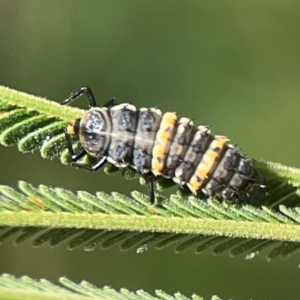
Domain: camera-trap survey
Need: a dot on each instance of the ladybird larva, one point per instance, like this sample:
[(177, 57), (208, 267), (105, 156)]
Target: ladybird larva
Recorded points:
[(160, 144)]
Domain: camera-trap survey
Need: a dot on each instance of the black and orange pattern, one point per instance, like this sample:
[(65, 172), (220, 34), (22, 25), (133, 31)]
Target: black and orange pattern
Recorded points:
[(160, 144)]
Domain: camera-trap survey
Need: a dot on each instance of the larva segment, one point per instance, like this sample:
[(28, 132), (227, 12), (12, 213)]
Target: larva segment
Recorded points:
[(148, 124), (182, 139), (206, 164), (200, 142), (246, 180), (162, 142), (221, 177), (124, 119)]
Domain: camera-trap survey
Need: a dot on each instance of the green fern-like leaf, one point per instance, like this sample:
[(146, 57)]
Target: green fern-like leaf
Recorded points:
[(128, 217), (36, 123), (28, 288)]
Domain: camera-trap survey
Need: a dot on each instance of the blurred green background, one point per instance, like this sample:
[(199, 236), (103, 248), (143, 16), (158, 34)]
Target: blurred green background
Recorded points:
[(234, 65)]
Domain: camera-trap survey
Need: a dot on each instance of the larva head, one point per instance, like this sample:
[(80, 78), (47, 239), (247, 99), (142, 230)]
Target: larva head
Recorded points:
[(93, 130)]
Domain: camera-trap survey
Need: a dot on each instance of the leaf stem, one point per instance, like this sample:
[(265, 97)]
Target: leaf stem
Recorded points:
[(42, 105), (259, 230)]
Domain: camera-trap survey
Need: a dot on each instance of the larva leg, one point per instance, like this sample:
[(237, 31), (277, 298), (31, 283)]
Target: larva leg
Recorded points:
[(90, 97), (74, 157), (98, 165), (151, 189), (83, 90)]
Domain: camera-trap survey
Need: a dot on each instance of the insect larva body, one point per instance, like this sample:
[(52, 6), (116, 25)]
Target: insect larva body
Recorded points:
[(160, 144)]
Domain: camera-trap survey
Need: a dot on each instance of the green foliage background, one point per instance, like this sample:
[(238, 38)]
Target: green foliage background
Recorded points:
[(233, 65)]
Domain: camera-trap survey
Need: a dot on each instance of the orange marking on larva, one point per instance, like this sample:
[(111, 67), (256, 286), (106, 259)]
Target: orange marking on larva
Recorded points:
[(193, 185), (202, 172), (159, 151), (210, 157), (204, 167), (206, 163), (158, 159), (156, 169), (157, 165), (168, 119), (70, 129), (162, 141), (221, 138), (163, 137)]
